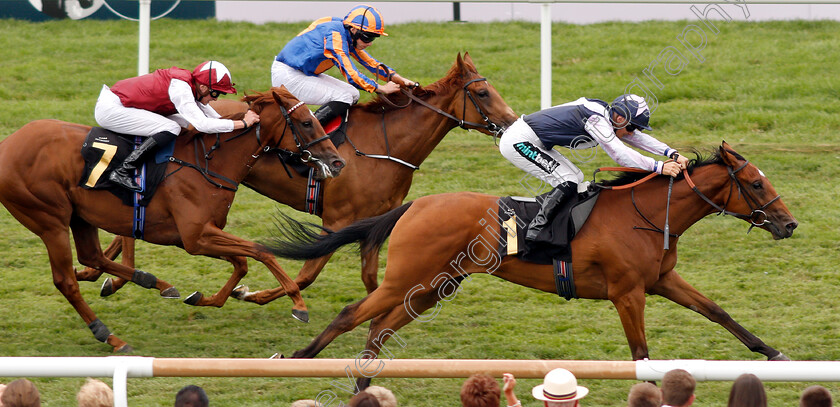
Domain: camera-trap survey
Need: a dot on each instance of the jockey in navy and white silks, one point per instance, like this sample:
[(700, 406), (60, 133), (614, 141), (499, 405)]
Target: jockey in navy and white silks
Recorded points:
[(583, 123), (328, 42), (159, 104)]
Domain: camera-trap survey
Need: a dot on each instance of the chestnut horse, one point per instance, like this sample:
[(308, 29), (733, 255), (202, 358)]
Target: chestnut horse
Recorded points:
[(438, 240), (408, 134), (40, 169)]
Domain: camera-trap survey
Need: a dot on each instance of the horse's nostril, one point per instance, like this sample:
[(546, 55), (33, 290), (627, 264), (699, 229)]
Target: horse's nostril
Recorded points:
[(791, 226), (338, 164)]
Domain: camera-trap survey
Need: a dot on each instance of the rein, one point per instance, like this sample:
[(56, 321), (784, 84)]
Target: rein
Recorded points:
[(462, 123)]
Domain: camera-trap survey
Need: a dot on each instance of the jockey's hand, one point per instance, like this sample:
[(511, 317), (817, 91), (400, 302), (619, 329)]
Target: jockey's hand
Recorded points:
[(389, 87), (682, 161), (671, 168), (405, 82), (251, 117)]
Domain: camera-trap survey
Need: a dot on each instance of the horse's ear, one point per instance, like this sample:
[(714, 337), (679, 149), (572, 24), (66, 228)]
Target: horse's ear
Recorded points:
[(459, 61), (726, 153), (279, 93), (467, 58)]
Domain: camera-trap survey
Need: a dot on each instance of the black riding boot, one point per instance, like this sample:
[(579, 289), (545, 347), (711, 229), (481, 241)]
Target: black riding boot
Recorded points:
[(550, 205), (329, 111), (124, 174)]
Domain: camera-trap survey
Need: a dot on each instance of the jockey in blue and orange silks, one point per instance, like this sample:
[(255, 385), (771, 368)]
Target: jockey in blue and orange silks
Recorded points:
[(328, 42)]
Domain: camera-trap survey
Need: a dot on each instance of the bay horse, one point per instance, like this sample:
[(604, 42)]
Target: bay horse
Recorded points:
[(40, 169), (439, 240), (406, 134)]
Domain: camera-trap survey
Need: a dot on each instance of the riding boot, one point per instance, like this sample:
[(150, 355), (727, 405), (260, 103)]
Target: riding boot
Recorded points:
[(124, 174), (550, 205), (328, 112)]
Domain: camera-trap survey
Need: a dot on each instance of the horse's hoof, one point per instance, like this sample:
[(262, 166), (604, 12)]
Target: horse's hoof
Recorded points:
[(302, 316), (194, 298), (277, 356), (780, 357), (240, 292), (170, 292), (107, 288), (125, 349)]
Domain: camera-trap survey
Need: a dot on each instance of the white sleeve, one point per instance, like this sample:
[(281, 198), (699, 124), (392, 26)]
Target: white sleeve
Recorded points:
[(182, 97), (602, 131), (649, 143)]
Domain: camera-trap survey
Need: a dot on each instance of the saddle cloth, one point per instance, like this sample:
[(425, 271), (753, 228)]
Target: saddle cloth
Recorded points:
[(517, 212), (103, 150)]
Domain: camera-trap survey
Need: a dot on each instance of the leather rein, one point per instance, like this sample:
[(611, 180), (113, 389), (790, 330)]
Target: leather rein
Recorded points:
[(757, 216)]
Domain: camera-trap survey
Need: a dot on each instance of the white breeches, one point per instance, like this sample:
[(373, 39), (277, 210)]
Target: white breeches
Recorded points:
[(521, 146), (313, 90), (112, 115)]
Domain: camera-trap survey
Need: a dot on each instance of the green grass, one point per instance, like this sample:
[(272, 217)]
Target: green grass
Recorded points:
[(770, 89)]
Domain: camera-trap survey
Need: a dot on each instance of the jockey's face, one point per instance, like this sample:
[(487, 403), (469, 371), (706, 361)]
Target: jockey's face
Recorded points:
[(205, 95), (621, 126), (359, 43)]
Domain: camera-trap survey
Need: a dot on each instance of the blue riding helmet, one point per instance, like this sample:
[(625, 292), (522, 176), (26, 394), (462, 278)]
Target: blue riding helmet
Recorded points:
[(633, 107)]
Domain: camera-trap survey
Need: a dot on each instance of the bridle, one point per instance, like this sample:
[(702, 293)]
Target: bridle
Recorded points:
[(303, 152), (493, 128), (757, 216)]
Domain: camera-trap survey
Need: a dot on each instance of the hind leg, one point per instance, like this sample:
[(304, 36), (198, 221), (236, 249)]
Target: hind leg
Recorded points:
[(90, 254), (240, 269), (382, 300), (672, 286), (311, 269), (112, 251)]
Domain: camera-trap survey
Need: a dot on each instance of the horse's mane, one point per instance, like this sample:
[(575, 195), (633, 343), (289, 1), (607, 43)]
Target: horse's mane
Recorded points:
[(262, 98), (455, 78), (624, 178)]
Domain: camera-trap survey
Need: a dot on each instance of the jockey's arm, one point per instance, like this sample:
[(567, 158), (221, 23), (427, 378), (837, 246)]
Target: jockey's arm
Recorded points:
[(602, 131), (181, 95)]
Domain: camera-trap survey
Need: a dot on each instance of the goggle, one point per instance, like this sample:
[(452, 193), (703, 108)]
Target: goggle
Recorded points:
[(216, 93), (630, 128), (367, 37)]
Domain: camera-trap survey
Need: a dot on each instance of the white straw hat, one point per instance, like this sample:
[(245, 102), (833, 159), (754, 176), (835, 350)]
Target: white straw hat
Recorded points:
[(559, 385)]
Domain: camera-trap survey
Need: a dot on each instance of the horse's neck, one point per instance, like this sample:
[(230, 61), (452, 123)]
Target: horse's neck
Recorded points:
[(230, 158), (686, 207), (412, 132)]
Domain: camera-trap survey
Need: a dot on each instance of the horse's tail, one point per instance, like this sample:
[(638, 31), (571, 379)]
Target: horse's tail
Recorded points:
[(304, 241)]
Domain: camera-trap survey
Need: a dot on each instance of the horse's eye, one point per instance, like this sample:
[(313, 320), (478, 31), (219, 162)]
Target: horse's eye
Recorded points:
[(483, 93), (306, 124), (757, 185)]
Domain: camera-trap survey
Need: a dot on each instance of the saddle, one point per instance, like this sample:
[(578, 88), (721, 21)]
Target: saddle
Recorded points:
[(516, 213), (103, 150)]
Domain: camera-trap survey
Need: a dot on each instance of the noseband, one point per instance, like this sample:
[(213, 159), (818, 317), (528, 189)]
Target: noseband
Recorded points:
[(757, 216), (493, 128)]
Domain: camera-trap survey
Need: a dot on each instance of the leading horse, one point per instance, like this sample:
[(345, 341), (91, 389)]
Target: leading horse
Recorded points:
[(439, 240), (399, 138), (40, 169)]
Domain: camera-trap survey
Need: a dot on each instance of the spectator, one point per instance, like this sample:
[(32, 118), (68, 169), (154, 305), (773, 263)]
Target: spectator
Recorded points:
[(509, 386), (363, 399), (644, 395), (560, 389), (305, 403), (191, 396), (20, 393), (480, 390), (2, 387), (747, 391), (678, 388), (386, 397), (95, 393), (815, 396)]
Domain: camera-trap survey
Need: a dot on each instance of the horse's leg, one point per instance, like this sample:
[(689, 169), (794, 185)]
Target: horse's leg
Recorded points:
[(214, 242), (57, 242), (112, 251), (370, 269), (311, 269), (240, 269), (126, 246), (631, 310), (672, 286), (386, 325), (92, 256), (382, 300)]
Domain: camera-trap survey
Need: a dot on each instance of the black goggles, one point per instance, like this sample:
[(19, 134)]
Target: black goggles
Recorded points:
[(630, 128), (216, 93), (367, 37)]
